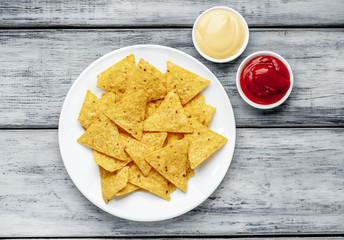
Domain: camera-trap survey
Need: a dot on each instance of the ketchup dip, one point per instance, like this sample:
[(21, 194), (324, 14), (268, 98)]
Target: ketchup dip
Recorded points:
[(265, 80)]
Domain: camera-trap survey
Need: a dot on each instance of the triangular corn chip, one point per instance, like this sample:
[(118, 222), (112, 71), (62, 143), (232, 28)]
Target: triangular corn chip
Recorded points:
[(150, 109), (111, 182), (115, 78), (168, 117), (171, 187), (154, 139), (158, 102), (202, 143), (171, 137), (163, 80), (171, 162), (152, 106), (129, 113), (198, 99), (93, 107), (208, 112), (147, 79), (187, 84), (109, 163), (90, 110), (125, 138), (195, 108), (154, 182), (103, 136), (127, 189), (189, 173), (138, 149), (107, 101)]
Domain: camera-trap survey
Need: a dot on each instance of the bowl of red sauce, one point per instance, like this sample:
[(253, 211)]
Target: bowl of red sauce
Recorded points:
[(264, 80)]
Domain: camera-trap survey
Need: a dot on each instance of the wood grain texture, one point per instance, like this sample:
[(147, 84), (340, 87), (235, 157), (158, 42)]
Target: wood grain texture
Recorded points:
[(43, 13), (281, 181), (39, 66), (206, 238)]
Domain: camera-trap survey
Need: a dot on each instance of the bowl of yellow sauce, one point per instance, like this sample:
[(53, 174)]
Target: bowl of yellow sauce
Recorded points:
[(220, 34)]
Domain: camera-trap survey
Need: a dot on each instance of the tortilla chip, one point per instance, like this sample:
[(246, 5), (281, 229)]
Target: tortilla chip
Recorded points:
[(202, 143), (158, 102), (129, 113), (124, 137), (154, 182), (171, 187), (171, 162), (127, 189), (109, 163), (103, 136), (138, 149), (152, 106), (150, 109), (208, 114), (195, 108), (93, 107), (198, 99), (163, 79), (111, 183), (189, 173), (147, 79), (107, 101), (168, 117), (187, 84), (90, 110), (115, 78), (171, 137), (154, 139)]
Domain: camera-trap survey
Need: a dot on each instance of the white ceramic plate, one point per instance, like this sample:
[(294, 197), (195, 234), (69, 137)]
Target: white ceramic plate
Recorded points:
[(144, 206)]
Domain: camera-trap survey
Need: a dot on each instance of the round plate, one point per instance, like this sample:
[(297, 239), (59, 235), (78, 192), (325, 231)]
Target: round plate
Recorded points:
[(144, 206)]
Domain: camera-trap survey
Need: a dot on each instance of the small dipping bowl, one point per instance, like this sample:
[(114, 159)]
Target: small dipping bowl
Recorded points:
[(228, 59), (238, 76)]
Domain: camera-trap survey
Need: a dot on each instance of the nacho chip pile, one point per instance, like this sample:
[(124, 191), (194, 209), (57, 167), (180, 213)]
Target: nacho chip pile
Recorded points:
[(149, 130)]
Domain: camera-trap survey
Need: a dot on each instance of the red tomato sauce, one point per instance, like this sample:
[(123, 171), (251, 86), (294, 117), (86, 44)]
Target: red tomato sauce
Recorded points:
[(265, 80)]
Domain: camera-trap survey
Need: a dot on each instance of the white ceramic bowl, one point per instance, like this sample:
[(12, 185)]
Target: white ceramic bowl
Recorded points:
[(242, 94), (243, 47)]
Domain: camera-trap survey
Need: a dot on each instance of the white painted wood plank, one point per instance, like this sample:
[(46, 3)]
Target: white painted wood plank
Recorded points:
[(281, 181), (108, 13), (212, 238), (38, 67)]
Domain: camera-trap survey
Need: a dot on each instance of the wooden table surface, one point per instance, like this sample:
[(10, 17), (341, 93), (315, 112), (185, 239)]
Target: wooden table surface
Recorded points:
[(286, 180)]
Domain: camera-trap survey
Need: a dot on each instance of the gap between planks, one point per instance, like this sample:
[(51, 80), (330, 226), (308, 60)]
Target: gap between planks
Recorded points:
[(171, 28), (318, 127), (250, 237), (162, 27)]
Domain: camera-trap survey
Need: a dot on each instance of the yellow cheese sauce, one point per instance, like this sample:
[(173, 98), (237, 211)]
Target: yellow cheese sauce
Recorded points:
[(220, 34)]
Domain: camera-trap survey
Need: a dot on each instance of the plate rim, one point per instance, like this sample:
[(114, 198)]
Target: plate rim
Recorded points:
[(83, 73)]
